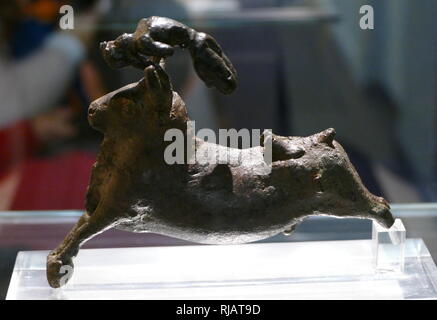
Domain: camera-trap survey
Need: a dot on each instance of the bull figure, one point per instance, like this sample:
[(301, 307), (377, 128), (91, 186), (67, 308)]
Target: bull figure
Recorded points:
[(133, 188)]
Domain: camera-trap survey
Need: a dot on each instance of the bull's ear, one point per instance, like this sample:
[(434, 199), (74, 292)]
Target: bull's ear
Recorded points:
[(157, 87)]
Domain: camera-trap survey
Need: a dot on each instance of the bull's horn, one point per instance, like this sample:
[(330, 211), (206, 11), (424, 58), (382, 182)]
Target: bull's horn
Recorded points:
[(327, 137)]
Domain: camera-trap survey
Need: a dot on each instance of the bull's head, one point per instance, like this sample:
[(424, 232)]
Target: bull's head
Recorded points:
[(145, 108)]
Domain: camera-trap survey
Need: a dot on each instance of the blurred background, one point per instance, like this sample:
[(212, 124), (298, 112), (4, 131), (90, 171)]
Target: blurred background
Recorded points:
[(303, 66)]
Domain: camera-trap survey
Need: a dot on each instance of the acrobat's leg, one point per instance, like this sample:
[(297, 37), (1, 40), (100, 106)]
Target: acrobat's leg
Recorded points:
[(59, 261)]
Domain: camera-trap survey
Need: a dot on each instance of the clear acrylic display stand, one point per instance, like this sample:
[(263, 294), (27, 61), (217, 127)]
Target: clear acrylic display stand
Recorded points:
[(388, 266), (389, 247)]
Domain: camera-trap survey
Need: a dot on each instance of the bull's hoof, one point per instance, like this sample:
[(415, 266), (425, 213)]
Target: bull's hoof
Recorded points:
[(384, 217), (58, 271)]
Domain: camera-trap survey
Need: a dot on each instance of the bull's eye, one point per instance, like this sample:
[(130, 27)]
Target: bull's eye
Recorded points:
[(126, 112), (126, 107)]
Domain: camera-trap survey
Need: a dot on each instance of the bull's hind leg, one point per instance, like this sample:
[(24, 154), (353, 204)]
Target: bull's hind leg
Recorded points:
[(59, 261)]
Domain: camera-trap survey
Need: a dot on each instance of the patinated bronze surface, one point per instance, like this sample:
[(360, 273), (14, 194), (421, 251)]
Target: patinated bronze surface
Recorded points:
[(132, 187)]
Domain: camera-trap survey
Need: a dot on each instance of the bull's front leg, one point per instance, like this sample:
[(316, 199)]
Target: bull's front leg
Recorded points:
[(59, 261)]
